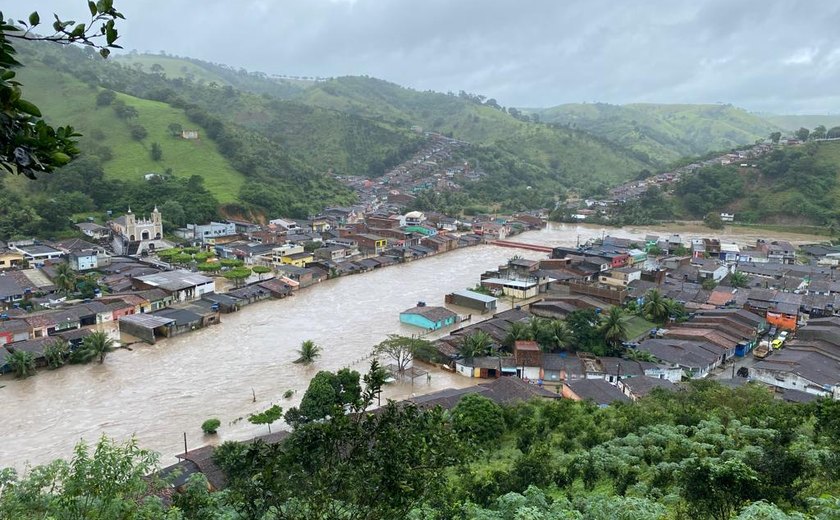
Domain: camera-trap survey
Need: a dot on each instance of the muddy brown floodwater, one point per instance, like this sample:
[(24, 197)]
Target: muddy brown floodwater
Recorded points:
[(159, 392)]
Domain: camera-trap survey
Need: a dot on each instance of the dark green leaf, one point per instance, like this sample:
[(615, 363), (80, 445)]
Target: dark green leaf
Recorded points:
[(92, 7), (34, 19), (104, 53), (29, 108)]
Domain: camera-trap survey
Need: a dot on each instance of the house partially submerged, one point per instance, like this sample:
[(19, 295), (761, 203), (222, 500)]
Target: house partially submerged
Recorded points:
[(473, 300), (429, 318)]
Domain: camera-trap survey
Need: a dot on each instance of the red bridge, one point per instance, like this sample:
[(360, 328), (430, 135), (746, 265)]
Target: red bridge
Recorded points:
[(520, 245)]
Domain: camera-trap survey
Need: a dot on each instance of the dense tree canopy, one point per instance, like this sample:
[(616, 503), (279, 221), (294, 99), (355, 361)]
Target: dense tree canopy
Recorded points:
[(705, 451)]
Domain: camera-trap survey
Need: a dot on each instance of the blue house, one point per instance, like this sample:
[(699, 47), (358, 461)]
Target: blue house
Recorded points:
[(429, 318)]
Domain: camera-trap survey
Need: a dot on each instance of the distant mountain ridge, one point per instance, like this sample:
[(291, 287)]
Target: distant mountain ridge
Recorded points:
[(274, 141), (663, 132)]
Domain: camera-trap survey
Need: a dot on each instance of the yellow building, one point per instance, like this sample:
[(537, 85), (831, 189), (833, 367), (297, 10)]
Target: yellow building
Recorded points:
[(297, 259), (10, 259)]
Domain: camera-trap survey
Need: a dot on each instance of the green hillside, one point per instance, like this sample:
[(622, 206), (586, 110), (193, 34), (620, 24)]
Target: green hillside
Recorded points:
[(793, 185), (795, 122), (579, 156), (67, 100), (664, 133)]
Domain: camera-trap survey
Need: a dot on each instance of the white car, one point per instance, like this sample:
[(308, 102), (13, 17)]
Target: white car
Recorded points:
[(783, 335)]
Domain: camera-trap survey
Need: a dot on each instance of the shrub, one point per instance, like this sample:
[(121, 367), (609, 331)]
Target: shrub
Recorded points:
[(210, 426)]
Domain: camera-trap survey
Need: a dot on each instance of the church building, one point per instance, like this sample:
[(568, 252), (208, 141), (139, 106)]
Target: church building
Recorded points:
[(134, 236)]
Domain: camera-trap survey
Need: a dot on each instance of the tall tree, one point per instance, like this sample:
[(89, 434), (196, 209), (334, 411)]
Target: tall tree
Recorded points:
[(519, 331), (65, 278), (476, 344), (802, 134), (655, 306), (614, 329)]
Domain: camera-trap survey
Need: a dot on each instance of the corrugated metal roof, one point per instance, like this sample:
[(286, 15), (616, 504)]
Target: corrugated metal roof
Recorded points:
[(475, 296)]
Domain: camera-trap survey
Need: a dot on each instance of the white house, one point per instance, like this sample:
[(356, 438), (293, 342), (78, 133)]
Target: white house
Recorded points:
[(83, 260), (207, 233), (182, 285)]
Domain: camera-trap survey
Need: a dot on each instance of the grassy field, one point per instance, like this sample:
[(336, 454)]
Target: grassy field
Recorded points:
[(68, 100), (172, 67), (638, 326)]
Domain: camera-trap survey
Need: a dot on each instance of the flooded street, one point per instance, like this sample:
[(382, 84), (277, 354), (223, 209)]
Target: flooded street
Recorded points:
[(159, 392)]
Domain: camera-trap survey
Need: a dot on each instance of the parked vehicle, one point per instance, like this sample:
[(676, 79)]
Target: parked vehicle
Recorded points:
[(777, 344), (762, 350)]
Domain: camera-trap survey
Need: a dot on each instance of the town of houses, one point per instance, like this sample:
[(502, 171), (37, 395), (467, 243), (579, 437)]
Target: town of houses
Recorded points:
[(790, 292), (144, 295), (138, 295)]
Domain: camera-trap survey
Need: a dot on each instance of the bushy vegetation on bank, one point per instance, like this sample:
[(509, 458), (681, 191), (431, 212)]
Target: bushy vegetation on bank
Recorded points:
[(702, 452)]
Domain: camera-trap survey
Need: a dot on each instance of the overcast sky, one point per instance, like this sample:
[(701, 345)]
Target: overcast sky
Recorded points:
[(774, 56)]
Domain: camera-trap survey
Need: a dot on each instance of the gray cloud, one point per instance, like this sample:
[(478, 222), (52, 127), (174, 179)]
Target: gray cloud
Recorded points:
[(765, 56)]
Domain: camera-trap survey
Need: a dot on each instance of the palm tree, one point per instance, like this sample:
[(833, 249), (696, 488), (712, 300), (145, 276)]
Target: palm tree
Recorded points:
[(65, 278), (614, 327), (655, 307), (518, 331), (22, 363), (56, 353), (307, 352), (559, 335), (98, 345), (476, 344), (738, 279)]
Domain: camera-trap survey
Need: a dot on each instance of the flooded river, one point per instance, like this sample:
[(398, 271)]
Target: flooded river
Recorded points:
[(159, 392)]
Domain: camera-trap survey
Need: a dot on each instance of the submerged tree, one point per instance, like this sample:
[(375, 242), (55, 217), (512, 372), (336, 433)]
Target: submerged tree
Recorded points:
[(401, 350), (308, 352), (56, 353), (22, 363), (266, 417), (95, 346)]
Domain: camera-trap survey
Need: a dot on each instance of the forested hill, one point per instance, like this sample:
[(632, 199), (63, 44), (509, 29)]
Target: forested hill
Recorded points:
[(275, 143), (791, 185), (578, 158), (664, 133)]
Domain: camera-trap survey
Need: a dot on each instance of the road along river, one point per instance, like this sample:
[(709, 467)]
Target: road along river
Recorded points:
[(159, 392)]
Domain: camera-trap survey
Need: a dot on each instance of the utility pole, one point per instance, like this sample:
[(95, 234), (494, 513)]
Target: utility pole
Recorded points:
[(185, 445)]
